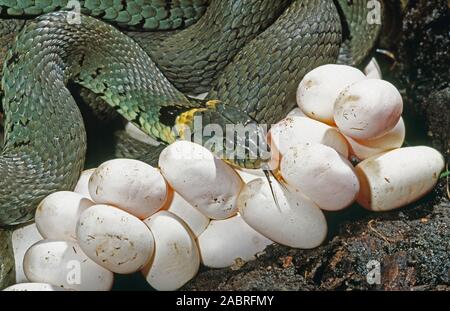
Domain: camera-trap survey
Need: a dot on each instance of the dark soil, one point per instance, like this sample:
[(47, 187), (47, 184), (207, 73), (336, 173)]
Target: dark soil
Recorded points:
[(412, 244), (423, 70)]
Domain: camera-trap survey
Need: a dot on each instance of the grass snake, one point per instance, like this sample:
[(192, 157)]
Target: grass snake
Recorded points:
[(250, 55)]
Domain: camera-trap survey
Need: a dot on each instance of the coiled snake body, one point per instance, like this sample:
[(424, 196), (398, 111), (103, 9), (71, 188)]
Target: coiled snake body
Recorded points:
[(251, 54)]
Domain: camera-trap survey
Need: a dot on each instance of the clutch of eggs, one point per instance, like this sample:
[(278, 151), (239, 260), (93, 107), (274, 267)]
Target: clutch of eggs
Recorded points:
[(194, 209)]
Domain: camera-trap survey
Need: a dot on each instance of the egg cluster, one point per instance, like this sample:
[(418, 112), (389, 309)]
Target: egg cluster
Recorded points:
[(364, 114), (126, 216)]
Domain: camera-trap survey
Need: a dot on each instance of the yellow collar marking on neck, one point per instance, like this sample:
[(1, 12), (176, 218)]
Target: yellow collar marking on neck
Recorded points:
[(212, 104), (185, 120)]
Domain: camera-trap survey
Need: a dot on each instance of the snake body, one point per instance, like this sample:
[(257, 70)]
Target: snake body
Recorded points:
[(267, 47), (7, 265), (212, 43), (140, 14)]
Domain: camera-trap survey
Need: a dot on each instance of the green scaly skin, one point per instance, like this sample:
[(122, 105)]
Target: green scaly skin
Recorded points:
[(140, 14), (360, 37), (265, 74), (7, 266), (44, 133), (210, 45), (194, 59)]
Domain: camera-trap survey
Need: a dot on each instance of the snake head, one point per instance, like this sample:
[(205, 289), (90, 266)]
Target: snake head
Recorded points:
[(229, 133)]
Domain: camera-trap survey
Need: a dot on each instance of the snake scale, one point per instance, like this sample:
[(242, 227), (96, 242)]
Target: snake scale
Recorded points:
[(250, 55)]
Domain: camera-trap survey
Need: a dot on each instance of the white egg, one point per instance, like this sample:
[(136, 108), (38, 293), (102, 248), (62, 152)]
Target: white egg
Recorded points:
[(63, 264), (131, 185), (322, 175), (373, 70), (369, 148), (320, 88), (249, 175), (297, 112), (114, 239), (296, 221), (201, 96), (203, 180), (34, 287), (57, 215), (293, 131), (397, 178), (193, 218), (225, 241), (22, 239), (82, 186), (176, 260), (368, 109)]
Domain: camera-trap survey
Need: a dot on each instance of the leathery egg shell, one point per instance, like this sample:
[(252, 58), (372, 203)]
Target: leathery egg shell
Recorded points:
[(396, 178), (225, 241), (63, 264), (114, 239), (369, 148), (193, 218), (33, 287), (22, 239), (297, 112), (202, 179), (57, 215), (322, 174), (82, 186), (248, 175), (298, 130), (176, 260), (368, 109), (373, 70), (320, 88), (131, 185), (296, 221)]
